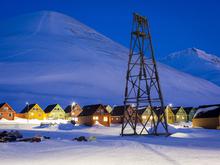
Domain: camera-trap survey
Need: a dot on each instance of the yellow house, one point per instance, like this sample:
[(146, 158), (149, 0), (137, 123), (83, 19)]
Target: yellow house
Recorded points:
[(33, 111), (54, 112), (146, 115), (181, 115), (169, 115)]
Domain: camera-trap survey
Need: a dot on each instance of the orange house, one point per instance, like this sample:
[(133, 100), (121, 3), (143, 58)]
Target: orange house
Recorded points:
[(7, 112), (94, 114)]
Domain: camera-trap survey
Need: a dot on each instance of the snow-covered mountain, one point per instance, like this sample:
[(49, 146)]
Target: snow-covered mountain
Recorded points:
[(47, 57), (197, 63)]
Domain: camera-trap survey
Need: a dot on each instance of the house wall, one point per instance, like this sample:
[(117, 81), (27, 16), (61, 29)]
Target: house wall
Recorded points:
[(181, 116), (7, 112), (169, 115), (146, 116), (211, 123), (191, 114), (116, 119), (76, 111)]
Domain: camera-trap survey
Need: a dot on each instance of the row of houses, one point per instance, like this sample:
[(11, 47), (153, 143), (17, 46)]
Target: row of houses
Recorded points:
[(103, 114)]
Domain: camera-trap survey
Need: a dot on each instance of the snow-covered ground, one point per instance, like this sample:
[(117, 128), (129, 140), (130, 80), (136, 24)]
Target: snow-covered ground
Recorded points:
[(184, 146)]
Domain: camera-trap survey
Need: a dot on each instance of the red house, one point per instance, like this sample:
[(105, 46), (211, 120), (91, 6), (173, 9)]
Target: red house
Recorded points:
[(7, 112)]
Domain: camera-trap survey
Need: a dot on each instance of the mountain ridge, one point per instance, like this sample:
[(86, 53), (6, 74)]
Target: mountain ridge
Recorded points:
[(43, 61)]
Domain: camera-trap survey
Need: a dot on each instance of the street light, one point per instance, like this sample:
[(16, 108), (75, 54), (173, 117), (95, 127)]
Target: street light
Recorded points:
[(27, 104)]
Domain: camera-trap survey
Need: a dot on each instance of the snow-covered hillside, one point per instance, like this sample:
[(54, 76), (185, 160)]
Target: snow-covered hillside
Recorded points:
[(47, 57), (196, 62)]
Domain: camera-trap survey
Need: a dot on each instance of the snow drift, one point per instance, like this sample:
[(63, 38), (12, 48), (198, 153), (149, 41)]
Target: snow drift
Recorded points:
[(47, 57)]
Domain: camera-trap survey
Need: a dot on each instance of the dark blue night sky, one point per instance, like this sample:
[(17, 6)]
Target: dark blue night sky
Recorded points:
[(175, 24)]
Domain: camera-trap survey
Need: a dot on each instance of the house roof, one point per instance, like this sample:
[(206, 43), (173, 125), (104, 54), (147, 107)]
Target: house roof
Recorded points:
[(175, 110), (69, 108), (49, 108), (208, 112), (118, 110), (27, 108), (187, 109), (89, 110), (2, 104)]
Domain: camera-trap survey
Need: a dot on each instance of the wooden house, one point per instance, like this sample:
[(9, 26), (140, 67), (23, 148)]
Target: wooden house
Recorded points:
[(94, 114), (72, 112), (7, 112), (54, 112), (180, 114), (117, 113), (146, 115), (170, 117), (33, 111), (108, 108), (207, 116)]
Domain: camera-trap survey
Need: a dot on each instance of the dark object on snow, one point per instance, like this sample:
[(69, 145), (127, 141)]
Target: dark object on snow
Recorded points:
[(11, 136), (33, 139), (46, 137), (73, 122), (80, 139)]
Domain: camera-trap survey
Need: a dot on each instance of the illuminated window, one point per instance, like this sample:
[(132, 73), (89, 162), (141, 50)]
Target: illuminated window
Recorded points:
[(177, 116), (116, 118), (183, 117), (144, 117), (32, 114), (76, 119), (105, 119), (95, 118)]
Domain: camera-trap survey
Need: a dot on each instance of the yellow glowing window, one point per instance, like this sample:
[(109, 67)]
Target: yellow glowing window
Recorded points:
[(95, 118), (116, 118), (144, 117), (177, 116), (183, 117), (105, 119), (32, 114)]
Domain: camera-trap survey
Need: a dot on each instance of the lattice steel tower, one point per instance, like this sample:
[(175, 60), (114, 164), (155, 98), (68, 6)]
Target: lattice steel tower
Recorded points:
[(142, 85)]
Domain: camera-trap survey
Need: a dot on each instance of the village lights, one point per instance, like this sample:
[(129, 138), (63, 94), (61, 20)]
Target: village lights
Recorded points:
[(170, 105)]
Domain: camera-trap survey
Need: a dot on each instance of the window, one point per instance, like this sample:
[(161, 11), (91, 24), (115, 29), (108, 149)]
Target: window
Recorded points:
[(144, 117), (95, 118), (116, 118), (1, 114), (177, 116), (10, 115), (105, 119), (32, 114), (183, 118), (5, 108)]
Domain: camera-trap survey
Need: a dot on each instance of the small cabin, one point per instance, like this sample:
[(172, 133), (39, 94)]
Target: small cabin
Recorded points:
[(207, 116), (94, 114), (170, 115), (72, 112), (181, 115), (147, 115), (54, 112), (7, 112), (33, 111)]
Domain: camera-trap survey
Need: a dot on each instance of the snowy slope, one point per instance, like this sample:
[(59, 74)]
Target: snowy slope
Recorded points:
[(196, 62), (48, 57)]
